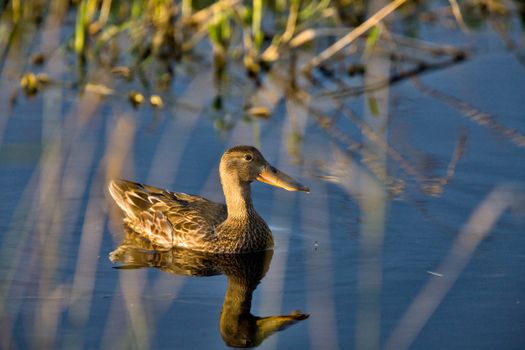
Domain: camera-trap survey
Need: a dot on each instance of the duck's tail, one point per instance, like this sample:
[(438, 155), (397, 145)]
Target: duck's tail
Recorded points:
[(136, 201), (129, 196)]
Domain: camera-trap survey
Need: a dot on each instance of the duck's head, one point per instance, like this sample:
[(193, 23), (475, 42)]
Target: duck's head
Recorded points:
[(246, 164)]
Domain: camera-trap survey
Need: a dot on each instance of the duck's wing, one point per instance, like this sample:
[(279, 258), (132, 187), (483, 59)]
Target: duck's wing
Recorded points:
[(166, 218)]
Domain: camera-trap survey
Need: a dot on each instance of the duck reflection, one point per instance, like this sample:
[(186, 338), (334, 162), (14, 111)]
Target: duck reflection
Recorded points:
[(238, 327)]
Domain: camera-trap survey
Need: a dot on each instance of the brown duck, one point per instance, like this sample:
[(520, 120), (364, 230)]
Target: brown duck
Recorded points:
[(172, 219)]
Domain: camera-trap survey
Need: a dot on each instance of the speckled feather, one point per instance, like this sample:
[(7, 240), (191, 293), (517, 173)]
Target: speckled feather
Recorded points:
[(168, 219)]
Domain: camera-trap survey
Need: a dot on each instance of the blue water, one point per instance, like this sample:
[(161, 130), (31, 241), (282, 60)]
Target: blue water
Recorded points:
[(318, 235)]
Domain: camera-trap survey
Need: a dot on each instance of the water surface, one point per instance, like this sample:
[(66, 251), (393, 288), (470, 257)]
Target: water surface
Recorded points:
[(354, 254)]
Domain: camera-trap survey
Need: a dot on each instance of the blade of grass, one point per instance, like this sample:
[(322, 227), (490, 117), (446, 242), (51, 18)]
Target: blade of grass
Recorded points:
[(81, 28), (257, 15), (457, 14), (354, 34)]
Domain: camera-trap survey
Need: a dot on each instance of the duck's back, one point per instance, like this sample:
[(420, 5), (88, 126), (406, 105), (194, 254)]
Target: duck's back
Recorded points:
[(168, 219)]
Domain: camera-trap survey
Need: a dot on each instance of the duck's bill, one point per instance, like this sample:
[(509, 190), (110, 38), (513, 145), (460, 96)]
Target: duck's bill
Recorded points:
[(275, 177)]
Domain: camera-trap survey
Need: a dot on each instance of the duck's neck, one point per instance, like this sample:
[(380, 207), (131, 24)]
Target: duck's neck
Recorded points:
[(238, 198)]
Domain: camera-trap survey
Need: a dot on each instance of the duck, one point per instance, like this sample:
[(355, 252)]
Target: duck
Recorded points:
[(173, 219)]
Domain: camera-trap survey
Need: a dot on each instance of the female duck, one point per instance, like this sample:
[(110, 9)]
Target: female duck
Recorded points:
[(171, 219)]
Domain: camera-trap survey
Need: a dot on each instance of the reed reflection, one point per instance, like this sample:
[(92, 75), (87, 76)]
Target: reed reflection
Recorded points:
[(238, 326)]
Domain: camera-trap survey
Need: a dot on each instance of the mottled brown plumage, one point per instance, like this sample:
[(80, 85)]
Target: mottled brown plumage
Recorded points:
[(169, 219)]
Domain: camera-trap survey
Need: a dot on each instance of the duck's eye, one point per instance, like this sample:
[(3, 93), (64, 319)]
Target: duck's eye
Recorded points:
[(248, 157)]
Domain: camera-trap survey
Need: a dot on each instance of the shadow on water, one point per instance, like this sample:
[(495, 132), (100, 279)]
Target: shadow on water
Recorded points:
[(238, 326)]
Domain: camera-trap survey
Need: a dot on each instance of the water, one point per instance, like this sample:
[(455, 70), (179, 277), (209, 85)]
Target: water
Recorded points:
[(60, 290)]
